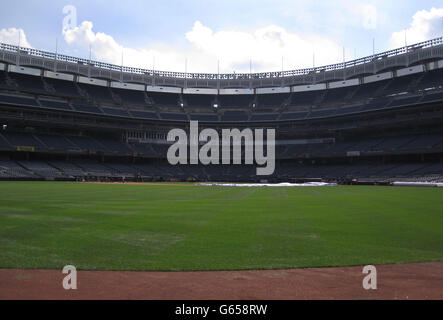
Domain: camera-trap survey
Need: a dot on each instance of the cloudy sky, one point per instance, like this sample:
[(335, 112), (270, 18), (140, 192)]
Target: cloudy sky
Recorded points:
[(199, 33)]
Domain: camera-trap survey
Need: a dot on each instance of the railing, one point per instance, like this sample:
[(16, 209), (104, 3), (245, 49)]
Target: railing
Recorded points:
[(214, 76)]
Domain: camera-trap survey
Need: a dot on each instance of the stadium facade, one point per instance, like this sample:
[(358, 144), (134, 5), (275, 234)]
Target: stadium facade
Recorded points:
[(377, 119)]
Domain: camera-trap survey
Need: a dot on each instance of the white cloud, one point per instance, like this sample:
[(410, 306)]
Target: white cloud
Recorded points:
[(234, 49), (13, 36), (105, 48), (425, 25), (265, 46), (369, 16)]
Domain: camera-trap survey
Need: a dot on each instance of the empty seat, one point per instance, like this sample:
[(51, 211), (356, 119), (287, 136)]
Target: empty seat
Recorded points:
[(55, 104), (97, 92), (264, 116), (23, 140), (199, 100), (203, 117), (85, 143), (144, 114), (128, 96), (174, 116), (164, 99), (235, 100), (28, 82), (55, 142), (293, 115), (87, 108), (115, 112), (234, 116), (18, 100), (63, 87)]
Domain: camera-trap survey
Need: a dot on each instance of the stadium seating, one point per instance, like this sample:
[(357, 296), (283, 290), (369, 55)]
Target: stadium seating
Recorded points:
[(115, 112), (207, 117), (199, 100), (85, 107), (55, 104), (94, 169), (294, 115), (164, 99), (56, 142), (18, 100), (41, 169), (97, 92), (62, 87), (85, 143), (22, 140), (144, 114), (235, 101), (234, 116), (374, 132), (130, 97), (10, 169), (264, 117), (28, 83), (68, 168), (174, 116)]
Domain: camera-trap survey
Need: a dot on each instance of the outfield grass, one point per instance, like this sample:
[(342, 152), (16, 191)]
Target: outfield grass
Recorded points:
[(183, 227)]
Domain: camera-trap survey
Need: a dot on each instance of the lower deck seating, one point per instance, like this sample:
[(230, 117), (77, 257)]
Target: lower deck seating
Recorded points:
[(12, 170), (41, 169), (284, 171), (81, 144)]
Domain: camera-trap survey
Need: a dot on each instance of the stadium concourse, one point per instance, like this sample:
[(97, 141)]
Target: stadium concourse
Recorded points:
[(375, 120)]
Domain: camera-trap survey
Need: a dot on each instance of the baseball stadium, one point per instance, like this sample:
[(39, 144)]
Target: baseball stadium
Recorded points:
[(86, 181)]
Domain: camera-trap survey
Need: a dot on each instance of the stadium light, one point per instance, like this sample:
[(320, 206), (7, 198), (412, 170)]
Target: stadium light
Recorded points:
[(215, 105), (373, 46)]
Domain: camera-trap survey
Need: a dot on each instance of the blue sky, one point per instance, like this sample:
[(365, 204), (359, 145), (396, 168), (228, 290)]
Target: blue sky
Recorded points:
[(232, 32)]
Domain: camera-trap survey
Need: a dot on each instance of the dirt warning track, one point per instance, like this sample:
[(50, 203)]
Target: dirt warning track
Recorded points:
[(400, 281)]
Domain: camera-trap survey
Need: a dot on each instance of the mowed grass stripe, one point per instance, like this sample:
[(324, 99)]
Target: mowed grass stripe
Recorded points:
[(175, 227)]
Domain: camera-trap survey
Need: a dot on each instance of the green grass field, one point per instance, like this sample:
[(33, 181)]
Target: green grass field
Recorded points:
[(185, 227)]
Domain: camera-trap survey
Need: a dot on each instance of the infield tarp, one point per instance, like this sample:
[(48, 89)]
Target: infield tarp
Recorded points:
[(285, 184), (418, 184)]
